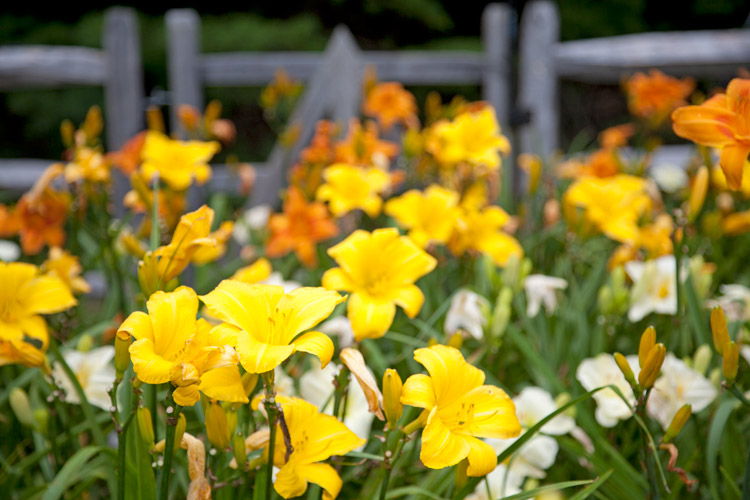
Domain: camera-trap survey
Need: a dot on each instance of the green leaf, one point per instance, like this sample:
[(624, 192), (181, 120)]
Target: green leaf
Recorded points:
[(715, 434), (590, 489), (67, 475), (552, 487), (412, 490)]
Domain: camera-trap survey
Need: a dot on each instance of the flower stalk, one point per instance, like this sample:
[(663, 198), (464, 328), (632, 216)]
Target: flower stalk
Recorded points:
[(173, 414)]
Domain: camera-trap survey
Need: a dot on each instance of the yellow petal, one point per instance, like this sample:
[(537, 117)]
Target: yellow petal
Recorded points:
[(440, 447), (316, 343), (173, 318), (324, 476), (224, 384), (418, 391), (138, 324), (337, 279), (452, 377), (370, 317), (257, 357), (354, 360), (494, 413), (304, 308), (149, 366), (186, 395), (289, 483), (257, 271), (35, 327), (46, 294), (482, 458), (245, 306), (224, 334), (410, 298)]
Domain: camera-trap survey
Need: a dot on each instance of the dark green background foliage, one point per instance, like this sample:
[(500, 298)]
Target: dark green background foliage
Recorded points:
[(31, 118)]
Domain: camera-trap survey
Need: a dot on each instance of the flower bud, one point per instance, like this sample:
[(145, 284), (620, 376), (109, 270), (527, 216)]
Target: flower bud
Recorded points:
[(179, 430), (154, 119), (651, 368), (19, 403), (730, 361), (231, 419), (148, 274), (719, 329), (122, 353), (678, 422), (67, 130), (456, 340), (501, 313), (648, 339), (392, 406), (238, 449), (217, 426), (702, 358), (41, 417), (698, 193), (93, 124), (85, 343), (624, 367), (188, 116), (145, 426)]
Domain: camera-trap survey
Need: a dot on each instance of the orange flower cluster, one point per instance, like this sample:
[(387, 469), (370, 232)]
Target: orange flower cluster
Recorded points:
[(655, 95), (391, 103)]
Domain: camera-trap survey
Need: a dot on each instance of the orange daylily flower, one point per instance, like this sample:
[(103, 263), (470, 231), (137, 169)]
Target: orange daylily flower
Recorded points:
[(655, 95), (722, 121), (361, 146), (390, 103), (301, 225), (601, 163), (617, 136), (128, 159)]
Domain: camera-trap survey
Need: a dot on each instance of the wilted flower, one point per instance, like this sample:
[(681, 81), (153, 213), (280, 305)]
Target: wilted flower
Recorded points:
[(678, 385), (468, 312), (654, 287), (94, 372), (541, 289), (379, 270)]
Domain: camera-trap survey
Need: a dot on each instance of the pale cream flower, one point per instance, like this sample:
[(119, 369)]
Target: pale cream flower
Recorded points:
[(340, 327), (541, 289), (600, 371), (678, 385), (735, 301), (533, 404), (277, 279), (669, 177), (9, 251), (654, 287), (468, 312), (94, 372), (252, 219)]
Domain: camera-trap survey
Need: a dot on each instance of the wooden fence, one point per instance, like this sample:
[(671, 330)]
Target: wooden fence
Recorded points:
[(333, 79), (117, 67)]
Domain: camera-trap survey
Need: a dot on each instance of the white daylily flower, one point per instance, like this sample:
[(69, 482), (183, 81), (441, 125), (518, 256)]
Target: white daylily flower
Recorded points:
[(9, 251), (340, 327), (600, 371), (502, 483), (541, 289), (670, 178), (654, 287), (735, 301), (316, 386), (255, 218), (467, 312), (678, 385), (94, 372), (533, 404), (277, 279)]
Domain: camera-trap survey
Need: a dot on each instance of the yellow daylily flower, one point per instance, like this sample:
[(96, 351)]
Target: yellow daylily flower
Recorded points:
[(171, 346), (209, 253), (460, 410), (264, 323), (192, 232), (481, 230), (66, 267), (379, 269), (18, 351), (314, 437), (24, 295), (256, 272), (612, 205), (429, 216), (177, 162), (471, 137), (348, 188), (88, 164)]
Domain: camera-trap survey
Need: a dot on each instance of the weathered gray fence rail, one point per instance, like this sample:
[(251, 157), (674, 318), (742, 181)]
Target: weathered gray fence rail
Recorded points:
[(116, 67), (544, 61), (333, 78)]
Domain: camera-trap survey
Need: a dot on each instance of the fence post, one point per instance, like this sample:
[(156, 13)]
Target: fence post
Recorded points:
[(183, 63), (345, 101), (496, 75), (538, 78)]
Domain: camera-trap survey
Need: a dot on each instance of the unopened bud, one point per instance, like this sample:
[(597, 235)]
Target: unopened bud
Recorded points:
[(189, 117), (19, 403), (730, 361), (238, 448), (122, 353), (719, 329), (148, 274), (217, 426), (41, 417), (392, 406), (702, 359), (648, 339), (231, 419), (678, 422), (624, 367), (145, 426), (85, 343), (456, 340), (652, 367), (179, 430), (67, 130), (698, 193)]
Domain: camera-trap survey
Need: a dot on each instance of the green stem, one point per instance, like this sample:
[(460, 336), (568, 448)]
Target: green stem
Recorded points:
[(272, 414), (746, 481), (342, 384), (650, 467), (738, 394), (172, 418)]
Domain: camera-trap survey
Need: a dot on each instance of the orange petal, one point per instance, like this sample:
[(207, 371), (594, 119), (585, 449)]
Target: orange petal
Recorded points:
[(706, 125), (732, 161)]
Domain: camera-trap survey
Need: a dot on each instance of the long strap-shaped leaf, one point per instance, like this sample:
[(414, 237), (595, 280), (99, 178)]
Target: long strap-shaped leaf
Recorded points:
[(64, 479)]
